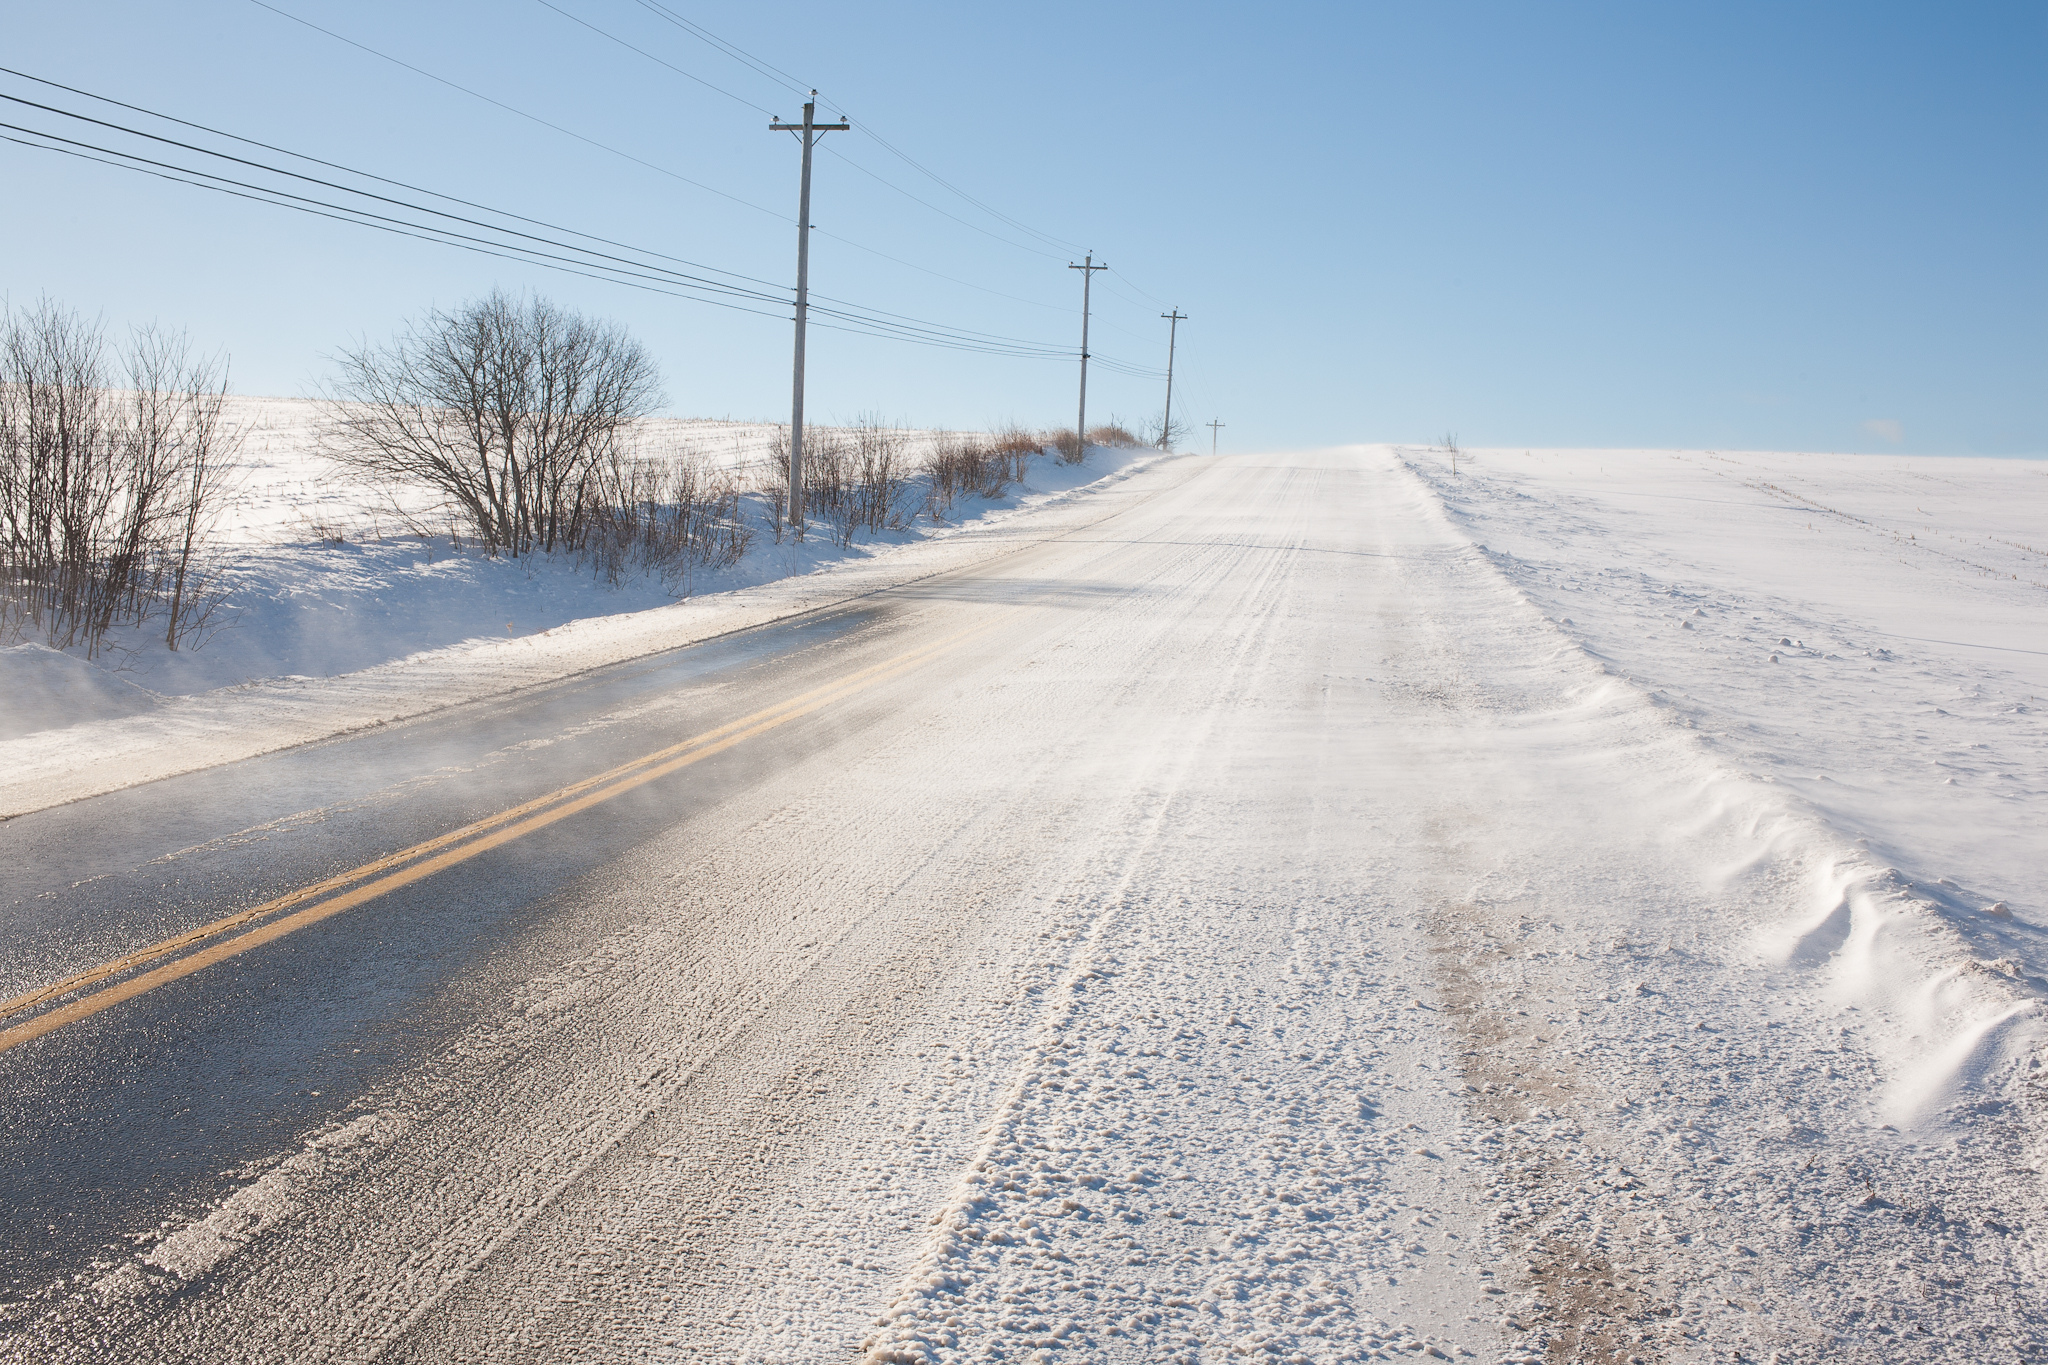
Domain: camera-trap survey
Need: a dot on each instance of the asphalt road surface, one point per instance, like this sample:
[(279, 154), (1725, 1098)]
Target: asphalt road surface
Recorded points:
[(1064, 960)]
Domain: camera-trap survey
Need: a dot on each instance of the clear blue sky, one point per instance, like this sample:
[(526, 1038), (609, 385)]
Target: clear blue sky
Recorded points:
[(1795, 226)]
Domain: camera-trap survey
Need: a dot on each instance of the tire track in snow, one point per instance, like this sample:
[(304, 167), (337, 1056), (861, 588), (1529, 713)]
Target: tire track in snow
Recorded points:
[(1100, 1216)]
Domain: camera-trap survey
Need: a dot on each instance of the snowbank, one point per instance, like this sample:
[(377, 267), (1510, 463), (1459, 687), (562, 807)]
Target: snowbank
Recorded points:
[(1859, 645), (349, 622), (43, 689)]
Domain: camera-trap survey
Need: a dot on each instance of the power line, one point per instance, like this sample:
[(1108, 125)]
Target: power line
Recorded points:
[(534, 118), (628, 156), (737, 53), (1123, 368), (652, 58), (859, 312), (941, 180), (586, 259), (583, 260), (367, 175), (1142, 290), (940, 275), (176, 175), (367, 218), (881, 180), (339, 215), (781, 77), (332, 185), (976, 227)]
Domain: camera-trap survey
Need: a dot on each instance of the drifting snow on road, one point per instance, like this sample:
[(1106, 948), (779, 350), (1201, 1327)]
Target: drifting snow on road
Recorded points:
[(1287, 929)]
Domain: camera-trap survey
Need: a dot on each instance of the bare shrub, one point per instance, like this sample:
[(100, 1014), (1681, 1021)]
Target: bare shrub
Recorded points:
[(1063, 441), (509, 408), (876, 475), (854, 480), (1114, 433), (962, 466), (828, 477), (668, 514), (107, 496), (772, 483), (1017, 447)]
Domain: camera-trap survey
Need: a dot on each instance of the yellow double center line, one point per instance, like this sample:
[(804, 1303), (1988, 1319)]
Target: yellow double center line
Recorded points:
[(276, 918)]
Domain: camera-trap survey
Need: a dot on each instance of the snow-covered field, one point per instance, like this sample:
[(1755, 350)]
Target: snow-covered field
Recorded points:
[(339, 616), (1868, 632), (329, 574), (1857, 650)]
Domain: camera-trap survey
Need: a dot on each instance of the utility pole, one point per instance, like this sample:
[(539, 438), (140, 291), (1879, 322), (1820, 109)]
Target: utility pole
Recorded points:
[(810, 128), (1212, 436), (1087, 278), (1173, 322)]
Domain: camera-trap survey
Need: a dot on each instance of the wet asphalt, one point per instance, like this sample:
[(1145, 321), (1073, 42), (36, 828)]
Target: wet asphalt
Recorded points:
[(147, 1110)]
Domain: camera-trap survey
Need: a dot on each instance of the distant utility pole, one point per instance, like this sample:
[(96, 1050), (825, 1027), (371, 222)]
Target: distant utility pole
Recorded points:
[(1087, 278), (1173, 322), (810, 128), (1212, 436)]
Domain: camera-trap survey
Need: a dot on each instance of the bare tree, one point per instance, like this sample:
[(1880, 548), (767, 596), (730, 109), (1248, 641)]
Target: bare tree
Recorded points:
[(107, 495), (1168, 439), (508, 407), (181, 438)]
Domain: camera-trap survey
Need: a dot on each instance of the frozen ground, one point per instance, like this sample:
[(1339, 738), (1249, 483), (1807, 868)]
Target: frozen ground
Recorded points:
[(1335, 909)]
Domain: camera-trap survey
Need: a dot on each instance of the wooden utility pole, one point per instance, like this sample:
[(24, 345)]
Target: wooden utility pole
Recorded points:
[(1173, 322), (1212, 436), (1087, 270), (810, 128)]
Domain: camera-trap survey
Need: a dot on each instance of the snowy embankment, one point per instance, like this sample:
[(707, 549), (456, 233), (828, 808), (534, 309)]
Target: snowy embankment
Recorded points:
[(1860, 641), (339, 617), (1855, 652)]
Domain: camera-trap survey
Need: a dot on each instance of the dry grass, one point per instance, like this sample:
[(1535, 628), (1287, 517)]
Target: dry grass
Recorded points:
[(1114, 433)]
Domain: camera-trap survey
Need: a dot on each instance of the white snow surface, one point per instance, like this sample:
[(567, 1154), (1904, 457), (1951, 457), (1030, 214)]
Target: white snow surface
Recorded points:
[(338, 617), (1565, 909), (1859, 641)]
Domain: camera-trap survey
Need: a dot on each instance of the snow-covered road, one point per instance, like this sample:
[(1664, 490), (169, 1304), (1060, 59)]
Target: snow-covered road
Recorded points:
[(1263, 933)]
